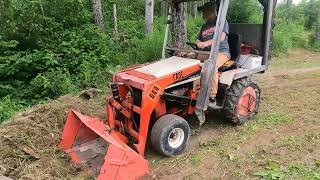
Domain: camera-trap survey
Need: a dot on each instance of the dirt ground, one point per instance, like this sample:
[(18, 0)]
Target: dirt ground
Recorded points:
[(282, 143)]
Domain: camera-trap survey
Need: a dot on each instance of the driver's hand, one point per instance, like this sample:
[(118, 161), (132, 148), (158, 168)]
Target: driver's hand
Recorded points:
[(183, 54), (202, 45)]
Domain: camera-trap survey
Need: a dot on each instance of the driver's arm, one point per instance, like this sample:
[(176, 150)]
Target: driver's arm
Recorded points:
[(208, 43)]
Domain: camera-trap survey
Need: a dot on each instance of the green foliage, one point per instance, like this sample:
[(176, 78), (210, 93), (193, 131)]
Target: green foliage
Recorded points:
[(8, 107), (245, 11), (273, 171), (297, 32), (56, 49), (288, 36)]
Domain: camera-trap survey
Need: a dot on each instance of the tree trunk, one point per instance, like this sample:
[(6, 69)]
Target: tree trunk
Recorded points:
[(194, 10), (98, 16), (149, 16), (318, 28), (114, 19), (179, 28), (289, 6), (162, 8)]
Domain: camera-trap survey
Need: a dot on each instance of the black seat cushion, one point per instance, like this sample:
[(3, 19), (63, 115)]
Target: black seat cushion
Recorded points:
[(235, 50), (235, 46)]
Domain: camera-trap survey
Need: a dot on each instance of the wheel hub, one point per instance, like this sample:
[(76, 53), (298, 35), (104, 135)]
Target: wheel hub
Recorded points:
[(176, 137), (247, 102)]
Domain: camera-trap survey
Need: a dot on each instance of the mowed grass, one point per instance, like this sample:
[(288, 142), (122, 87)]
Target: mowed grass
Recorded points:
[(281, 143), (297, 58)]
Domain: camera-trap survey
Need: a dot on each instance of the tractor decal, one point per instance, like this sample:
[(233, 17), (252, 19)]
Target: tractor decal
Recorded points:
[(178, 75), (154, 92)]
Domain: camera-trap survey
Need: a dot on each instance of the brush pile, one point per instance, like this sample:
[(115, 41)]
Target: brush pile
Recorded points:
[(28, 142)]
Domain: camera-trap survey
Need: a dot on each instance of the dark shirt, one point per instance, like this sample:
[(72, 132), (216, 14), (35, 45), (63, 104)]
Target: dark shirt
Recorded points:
[(207, 33)]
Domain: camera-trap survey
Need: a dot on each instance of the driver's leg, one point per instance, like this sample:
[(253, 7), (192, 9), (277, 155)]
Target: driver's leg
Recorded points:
[(222, 58)]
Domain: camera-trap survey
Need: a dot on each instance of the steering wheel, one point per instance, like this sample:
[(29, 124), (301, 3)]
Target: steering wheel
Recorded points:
[(193, 45)]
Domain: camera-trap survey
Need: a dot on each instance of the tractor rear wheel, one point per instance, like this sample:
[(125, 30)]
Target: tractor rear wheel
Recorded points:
[(242, 101), (170, 135)]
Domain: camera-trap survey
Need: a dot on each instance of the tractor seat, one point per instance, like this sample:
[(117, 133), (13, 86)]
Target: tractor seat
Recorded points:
[(234, 41)]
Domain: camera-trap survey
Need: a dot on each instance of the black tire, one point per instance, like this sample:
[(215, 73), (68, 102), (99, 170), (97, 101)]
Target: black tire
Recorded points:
[(234, 93), (165, 127)]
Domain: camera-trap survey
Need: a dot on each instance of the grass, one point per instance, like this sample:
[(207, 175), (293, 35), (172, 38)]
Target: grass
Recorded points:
[(8, 108), (195, 159), (296, 59), (274, 118), (296, 170)]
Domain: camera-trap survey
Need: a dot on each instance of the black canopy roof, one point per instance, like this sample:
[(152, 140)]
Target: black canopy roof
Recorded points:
[(263, 2)]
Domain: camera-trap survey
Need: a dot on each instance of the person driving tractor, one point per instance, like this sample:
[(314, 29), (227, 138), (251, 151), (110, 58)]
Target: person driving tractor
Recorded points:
[(205, 41)]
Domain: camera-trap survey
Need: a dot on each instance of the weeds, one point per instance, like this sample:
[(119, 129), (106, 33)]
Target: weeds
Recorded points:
[(8, 107), (274, 118), (195, 159), (294, 171)]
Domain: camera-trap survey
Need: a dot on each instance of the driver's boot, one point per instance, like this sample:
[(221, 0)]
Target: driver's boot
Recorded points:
[(213, 103)]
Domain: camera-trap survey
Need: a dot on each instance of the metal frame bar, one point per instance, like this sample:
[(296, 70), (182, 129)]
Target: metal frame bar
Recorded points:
[(210, 65), (166, 35), (268, 23), (250, 72)]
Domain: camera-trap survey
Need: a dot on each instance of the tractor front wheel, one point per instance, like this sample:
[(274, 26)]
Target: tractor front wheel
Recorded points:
[(170, 135), (242, 101)]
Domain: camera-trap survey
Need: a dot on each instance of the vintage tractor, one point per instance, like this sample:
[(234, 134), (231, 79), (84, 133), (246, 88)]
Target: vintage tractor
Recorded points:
[(150, 101)]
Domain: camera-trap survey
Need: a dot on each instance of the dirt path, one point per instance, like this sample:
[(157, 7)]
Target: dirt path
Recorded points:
[(283, 142)]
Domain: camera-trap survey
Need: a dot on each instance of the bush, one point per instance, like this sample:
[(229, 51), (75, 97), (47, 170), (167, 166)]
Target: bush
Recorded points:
[(288, 36)]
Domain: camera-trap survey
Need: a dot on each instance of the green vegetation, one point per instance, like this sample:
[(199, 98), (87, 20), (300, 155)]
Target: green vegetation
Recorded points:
[(274, 118), (294, 171), (52, 48), (195, 159), (8, 107)]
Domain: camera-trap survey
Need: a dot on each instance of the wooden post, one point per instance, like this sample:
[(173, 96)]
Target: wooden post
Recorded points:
[(98, 16), (149, 16), (114, 19)]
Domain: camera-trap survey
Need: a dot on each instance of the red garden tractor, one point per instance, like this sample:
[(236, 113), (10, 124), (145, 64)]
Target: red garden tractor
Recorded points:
[(150, 101)]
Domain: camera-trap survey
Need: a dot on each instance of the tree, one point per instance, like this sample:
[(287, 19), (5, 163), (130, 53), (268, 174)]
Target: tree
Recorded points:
[(245, 11), (179, 35), (98, 16), (194, 10), (114, 19), (311, 13), (149, 16), (162, 7), (318, 28), (289, 7)]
